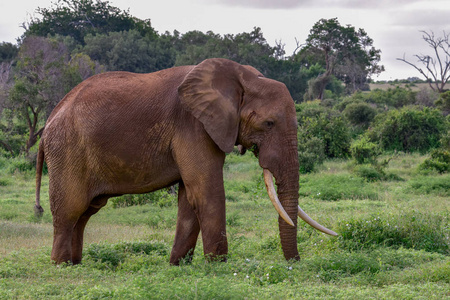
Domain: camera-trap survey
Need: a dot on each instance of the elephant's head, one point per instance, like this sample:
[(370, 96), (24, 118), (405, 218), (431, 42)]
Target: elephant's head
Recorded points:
[(239, 106)]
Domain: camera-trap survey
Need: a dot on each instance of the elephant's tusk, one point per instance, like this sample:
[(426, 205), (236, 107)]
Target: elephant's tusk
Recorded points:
[(313, 223), (268, 180)]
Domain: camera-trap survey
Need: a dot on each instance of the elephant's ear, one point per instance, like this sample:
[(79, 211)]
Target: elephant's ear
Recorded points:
[(213, 91)]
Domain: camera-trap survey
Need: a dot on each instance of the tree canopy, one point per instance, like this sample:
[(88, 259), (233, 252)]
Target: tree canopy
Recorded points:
[(344, 52), (74, 39), (78, 18)]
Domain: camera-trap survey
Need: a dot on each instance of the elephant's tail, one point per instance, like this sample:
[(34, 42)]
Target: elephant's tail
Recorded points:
[(38, 210)]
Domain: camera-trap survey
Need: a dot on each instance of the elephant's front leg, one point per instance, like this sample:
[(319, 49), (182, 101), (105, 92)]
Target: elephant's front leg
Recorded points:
[(200, 163), (208, 201), (187, 230)]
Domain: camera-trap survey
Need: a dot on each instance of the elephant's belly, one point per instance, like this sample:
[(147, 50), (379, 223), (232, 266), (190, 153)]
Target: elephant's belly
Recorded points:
[(128, 180)]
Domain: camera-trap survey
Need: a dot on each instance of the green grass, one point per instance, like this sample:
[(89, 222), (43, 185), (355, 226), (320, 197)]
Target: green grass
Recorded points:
[(394, 241)]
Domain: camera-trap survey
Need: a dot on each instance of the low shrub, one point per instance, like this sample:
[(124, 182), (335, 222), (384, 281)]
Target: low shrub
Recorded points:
[(443, 102), (436, 185), (364, 151), (326, 124), (16, 164), (106, 255), (439, 160), (161, 197), (414, 230), (408, 129), (311, 153), (112, 255), (360, 114), (337, 265), (369, 172), (5, 181)]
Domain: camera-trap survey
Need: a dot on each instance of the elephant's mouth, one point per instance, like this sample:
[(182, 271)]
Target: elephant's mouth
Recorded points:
[(254, 149)]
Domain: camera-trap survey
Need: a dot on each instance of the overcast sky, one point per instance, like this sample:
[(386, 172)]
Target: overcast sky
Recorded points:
[(393, 25)]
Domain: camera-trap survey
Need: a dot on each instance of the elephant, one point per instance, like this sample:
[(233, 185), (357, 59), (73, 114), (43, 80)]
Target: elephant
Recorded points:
[(126, 133)]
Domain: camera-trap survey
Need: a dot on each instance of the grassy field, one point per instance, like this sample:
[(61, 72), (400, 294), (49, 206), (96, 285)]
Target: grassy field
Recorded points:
[(393, 244), (414, 86)]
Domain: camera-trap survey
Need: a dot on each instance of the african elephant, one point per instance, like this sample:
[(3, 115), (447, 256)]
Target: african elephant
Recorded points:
[(120, 133)]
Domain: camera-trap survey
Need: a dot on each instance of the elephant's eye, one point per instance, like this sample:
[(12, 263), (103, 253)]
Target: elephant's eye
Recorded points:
[(269, 124)]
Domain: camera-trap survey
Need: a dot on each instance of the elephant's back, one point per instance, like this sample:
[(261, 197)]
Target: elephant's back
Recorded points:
[(114, 120), (119, 92), (120, 86)]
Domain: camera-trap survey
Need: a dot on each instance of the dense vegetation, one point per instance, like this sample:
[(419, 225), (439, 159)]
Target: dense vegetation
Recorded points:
[(75, 39), (375, 167)]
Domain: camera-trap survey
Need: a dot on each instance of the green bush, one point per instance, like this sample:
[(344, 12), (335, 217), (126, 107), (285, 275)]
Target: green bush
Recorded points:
[(439, 161), (360, 114), (383, 99), (16, 164), (408, 129), (311, 153), (105, 255), (376, 171), (415, 230), (439, 158), (369, 172), (443, 102), (393, 97), (325, 124), (364, 151), (436, 185)]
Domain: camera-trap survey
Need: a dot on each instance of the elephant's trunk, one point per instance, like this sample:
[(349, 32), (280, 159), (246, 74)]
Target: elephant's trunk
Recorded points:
[(289, 204), (287, 221)]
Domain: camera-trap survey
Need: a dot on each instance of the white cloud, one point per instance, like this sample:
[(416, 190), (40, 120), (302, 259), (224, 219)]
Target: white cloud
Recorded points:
[(288, 4)]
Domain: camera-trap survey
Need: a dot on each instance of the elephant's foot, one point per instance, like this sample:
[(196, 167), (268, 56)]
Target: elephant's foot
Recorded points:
[(177, 259)]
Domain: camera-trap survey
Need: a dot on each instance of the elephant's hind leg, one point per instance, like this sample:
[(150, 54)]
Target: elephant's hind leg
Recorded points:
[(187, 230), (67, 203), (78, 231), (64, 221), (62, 241)]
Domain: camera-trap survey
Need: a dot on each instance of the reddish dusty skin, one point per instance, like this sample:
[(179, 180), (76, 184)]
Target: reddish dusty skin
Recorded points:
[(119, 133)]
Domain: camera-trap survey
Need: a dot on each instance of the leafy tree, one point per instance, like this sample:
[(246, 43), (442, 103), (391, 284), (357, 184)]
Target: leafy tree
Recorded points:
[(43, 75), (78, 18), (129, 51), (245, 48), (408, 129), (326, 124), (8, 52), (344, 52), (437, 68)]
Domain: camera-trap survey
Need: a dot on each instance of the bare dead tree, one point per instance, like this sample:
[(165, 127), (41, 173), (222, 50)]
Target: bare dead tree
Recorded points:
[(297, 47), (436, 69)]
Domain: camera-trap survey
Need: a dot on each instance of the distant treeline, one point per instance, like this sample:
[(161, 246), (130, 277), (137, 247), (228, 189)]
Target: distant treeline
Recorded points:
[(75, 39)]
